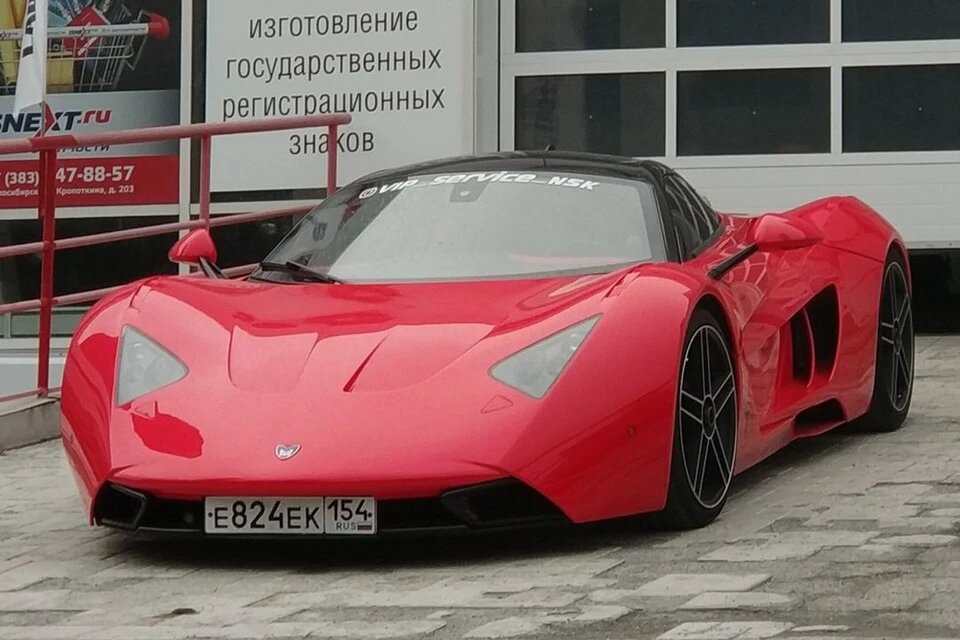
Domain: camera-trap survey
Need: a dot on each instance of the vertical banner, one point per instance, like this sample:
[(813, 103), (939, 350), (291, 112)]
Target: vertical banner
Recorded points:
[(123, 73), (32, 84), (404, 69)]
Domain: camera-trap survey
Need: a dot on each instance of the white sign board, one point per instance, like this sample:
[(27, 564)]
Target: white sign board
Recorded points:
[(402, 68)]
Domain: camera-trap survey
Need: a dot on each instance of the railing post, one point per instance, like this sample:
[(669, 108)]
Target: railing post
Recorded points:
[(206, 151), (47, 211), (332, 159)]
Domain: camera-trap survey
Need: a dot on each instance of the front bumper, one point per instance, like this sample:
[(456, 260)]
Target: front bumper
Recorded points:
[(490, 506)]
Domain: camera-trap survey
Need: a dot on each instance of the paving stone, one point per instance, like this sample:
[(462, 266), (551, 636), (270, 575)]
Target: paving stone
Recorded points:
[(362, 629), (868, 553), (789, 545), (600, 613), (130, 632), (47, 633), (692, 584), (439, 596), (748, 601), (951, 512), (924, 524), (507, 628), (30, 573), (857, 510), (918, 540), (864, 603), (726, 631), (761, 552), (143, 570), (34, 600), (952, 499), (525, 625)]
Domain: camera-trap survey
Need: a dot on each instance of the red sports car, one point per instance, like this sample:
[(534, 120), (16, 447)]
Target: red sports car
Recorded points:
[(487, 342)]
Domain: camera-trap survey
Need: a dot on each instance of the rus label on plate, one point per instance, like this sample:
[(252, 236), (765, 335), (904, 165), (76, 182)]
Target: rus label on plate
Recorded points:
[(290, 516)]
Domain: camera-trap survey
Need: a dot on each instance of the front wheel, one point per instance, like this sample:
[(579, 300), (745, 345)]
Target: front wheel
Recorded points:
[(893, 380), (705, 428)]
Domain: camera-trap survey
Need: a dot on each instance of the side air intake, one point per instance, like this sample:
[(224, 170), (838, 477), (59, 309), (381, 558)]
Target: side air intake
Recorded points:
[(815, 336)]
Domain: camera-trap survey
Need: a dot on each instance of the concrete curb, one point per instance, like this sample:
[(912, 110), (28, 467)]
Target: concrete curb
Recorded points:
[(28, 422)]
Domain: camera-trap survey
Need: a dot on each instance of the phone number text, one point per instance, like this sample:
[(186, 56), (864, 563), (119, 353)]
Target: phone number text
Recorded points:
[(91, 174)]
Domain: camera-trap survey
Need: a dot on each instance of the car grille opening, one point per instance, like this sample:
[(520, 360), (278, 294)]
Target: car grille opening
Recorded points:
[(182, 515), (501, 503), (420, 513)]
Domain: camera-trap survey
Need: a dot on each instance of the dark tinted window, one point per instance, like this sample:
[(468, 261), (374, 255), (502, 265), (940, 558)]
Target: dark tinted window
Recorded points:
[(694, 222), (936, 290), (249, 243), (572, 25), (621, 114), (706, 220), (742, 22), (88, 268), (688, 235), (118, 263), (878, 20), (753, 112), (914, 108)]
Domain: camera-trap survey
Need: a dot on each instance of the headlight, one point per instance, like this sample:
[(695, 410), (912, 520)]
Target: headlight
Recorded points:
[(145, 366), (535, 369)]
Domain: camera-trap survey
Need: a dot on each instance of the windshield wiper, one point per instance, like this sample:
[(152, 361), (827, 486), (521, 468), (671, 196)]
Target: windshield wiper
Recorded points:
[(298, 269)]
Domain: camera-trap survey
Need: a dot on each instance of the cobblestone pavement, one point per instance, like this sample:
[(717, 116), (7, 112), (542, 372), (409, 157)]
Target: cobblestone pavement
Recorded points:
[(844, 536)]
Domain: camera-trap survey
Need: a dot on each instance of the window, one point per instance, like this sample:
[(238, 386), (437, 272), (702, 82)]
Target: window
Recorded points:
[(87, 268), (575, 25), (766, 111), (706, 219), (702, 23), (881, 20), (936, 290), (912, 108), (693, 222), (115, 263), (622, 114), (249, 243)]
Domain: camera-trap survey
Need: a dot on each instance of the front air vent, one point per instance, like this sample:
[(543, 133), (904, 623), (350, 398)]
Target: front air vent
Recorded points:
[(502, 503), (119, 507)]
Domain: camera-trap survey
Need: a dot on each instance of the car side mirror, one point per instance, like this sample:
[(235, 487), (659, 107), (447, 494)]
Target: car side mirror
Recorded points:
[(774, 232), (197, 248)]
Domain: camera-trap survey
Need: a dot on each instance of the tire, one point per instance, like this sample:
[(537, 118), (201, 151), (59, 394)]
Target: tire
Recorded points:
[(894, 364), (705, 428)]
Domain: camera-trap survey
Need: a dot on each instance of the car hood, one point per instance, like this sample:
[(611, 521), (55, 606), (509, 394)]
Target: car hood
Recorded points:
[(368, 337)]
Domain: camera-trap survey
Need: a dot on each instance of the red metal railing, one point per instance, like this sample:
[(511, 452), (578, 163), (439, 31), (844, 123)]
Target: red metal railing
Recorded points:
[(48, 149)]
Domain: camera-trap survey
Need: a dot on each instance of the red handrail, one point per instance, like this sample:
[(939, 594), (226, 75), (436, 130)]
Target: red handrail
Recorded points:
[(48, 148)]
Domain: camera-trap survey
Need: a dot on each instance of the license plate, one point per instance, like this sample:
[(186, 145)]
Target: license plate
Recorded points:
[(290, 516)]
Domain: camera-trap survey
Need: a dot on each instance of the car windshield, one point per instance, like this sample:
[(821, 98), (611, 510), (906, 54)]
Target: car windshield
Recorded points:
[(494, 224)]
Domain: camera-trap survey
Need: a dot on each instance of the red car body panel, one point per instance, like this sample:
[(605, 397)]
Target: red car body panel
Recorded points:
[(387, 387)]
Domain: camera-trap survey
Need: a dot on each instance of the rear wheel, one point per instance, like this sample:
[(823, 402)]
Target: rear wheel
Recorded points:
[(893, 386), (705, 428)]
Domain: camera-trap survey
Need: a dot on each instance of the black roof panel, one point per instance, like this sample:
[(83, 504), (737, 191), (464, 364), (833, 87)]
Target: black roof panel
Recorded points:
[(589, 163)]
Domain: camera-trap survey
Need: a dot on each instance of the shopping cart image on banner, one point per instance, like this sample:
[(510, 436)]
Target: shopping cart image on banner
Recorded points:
[(91, 43)]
